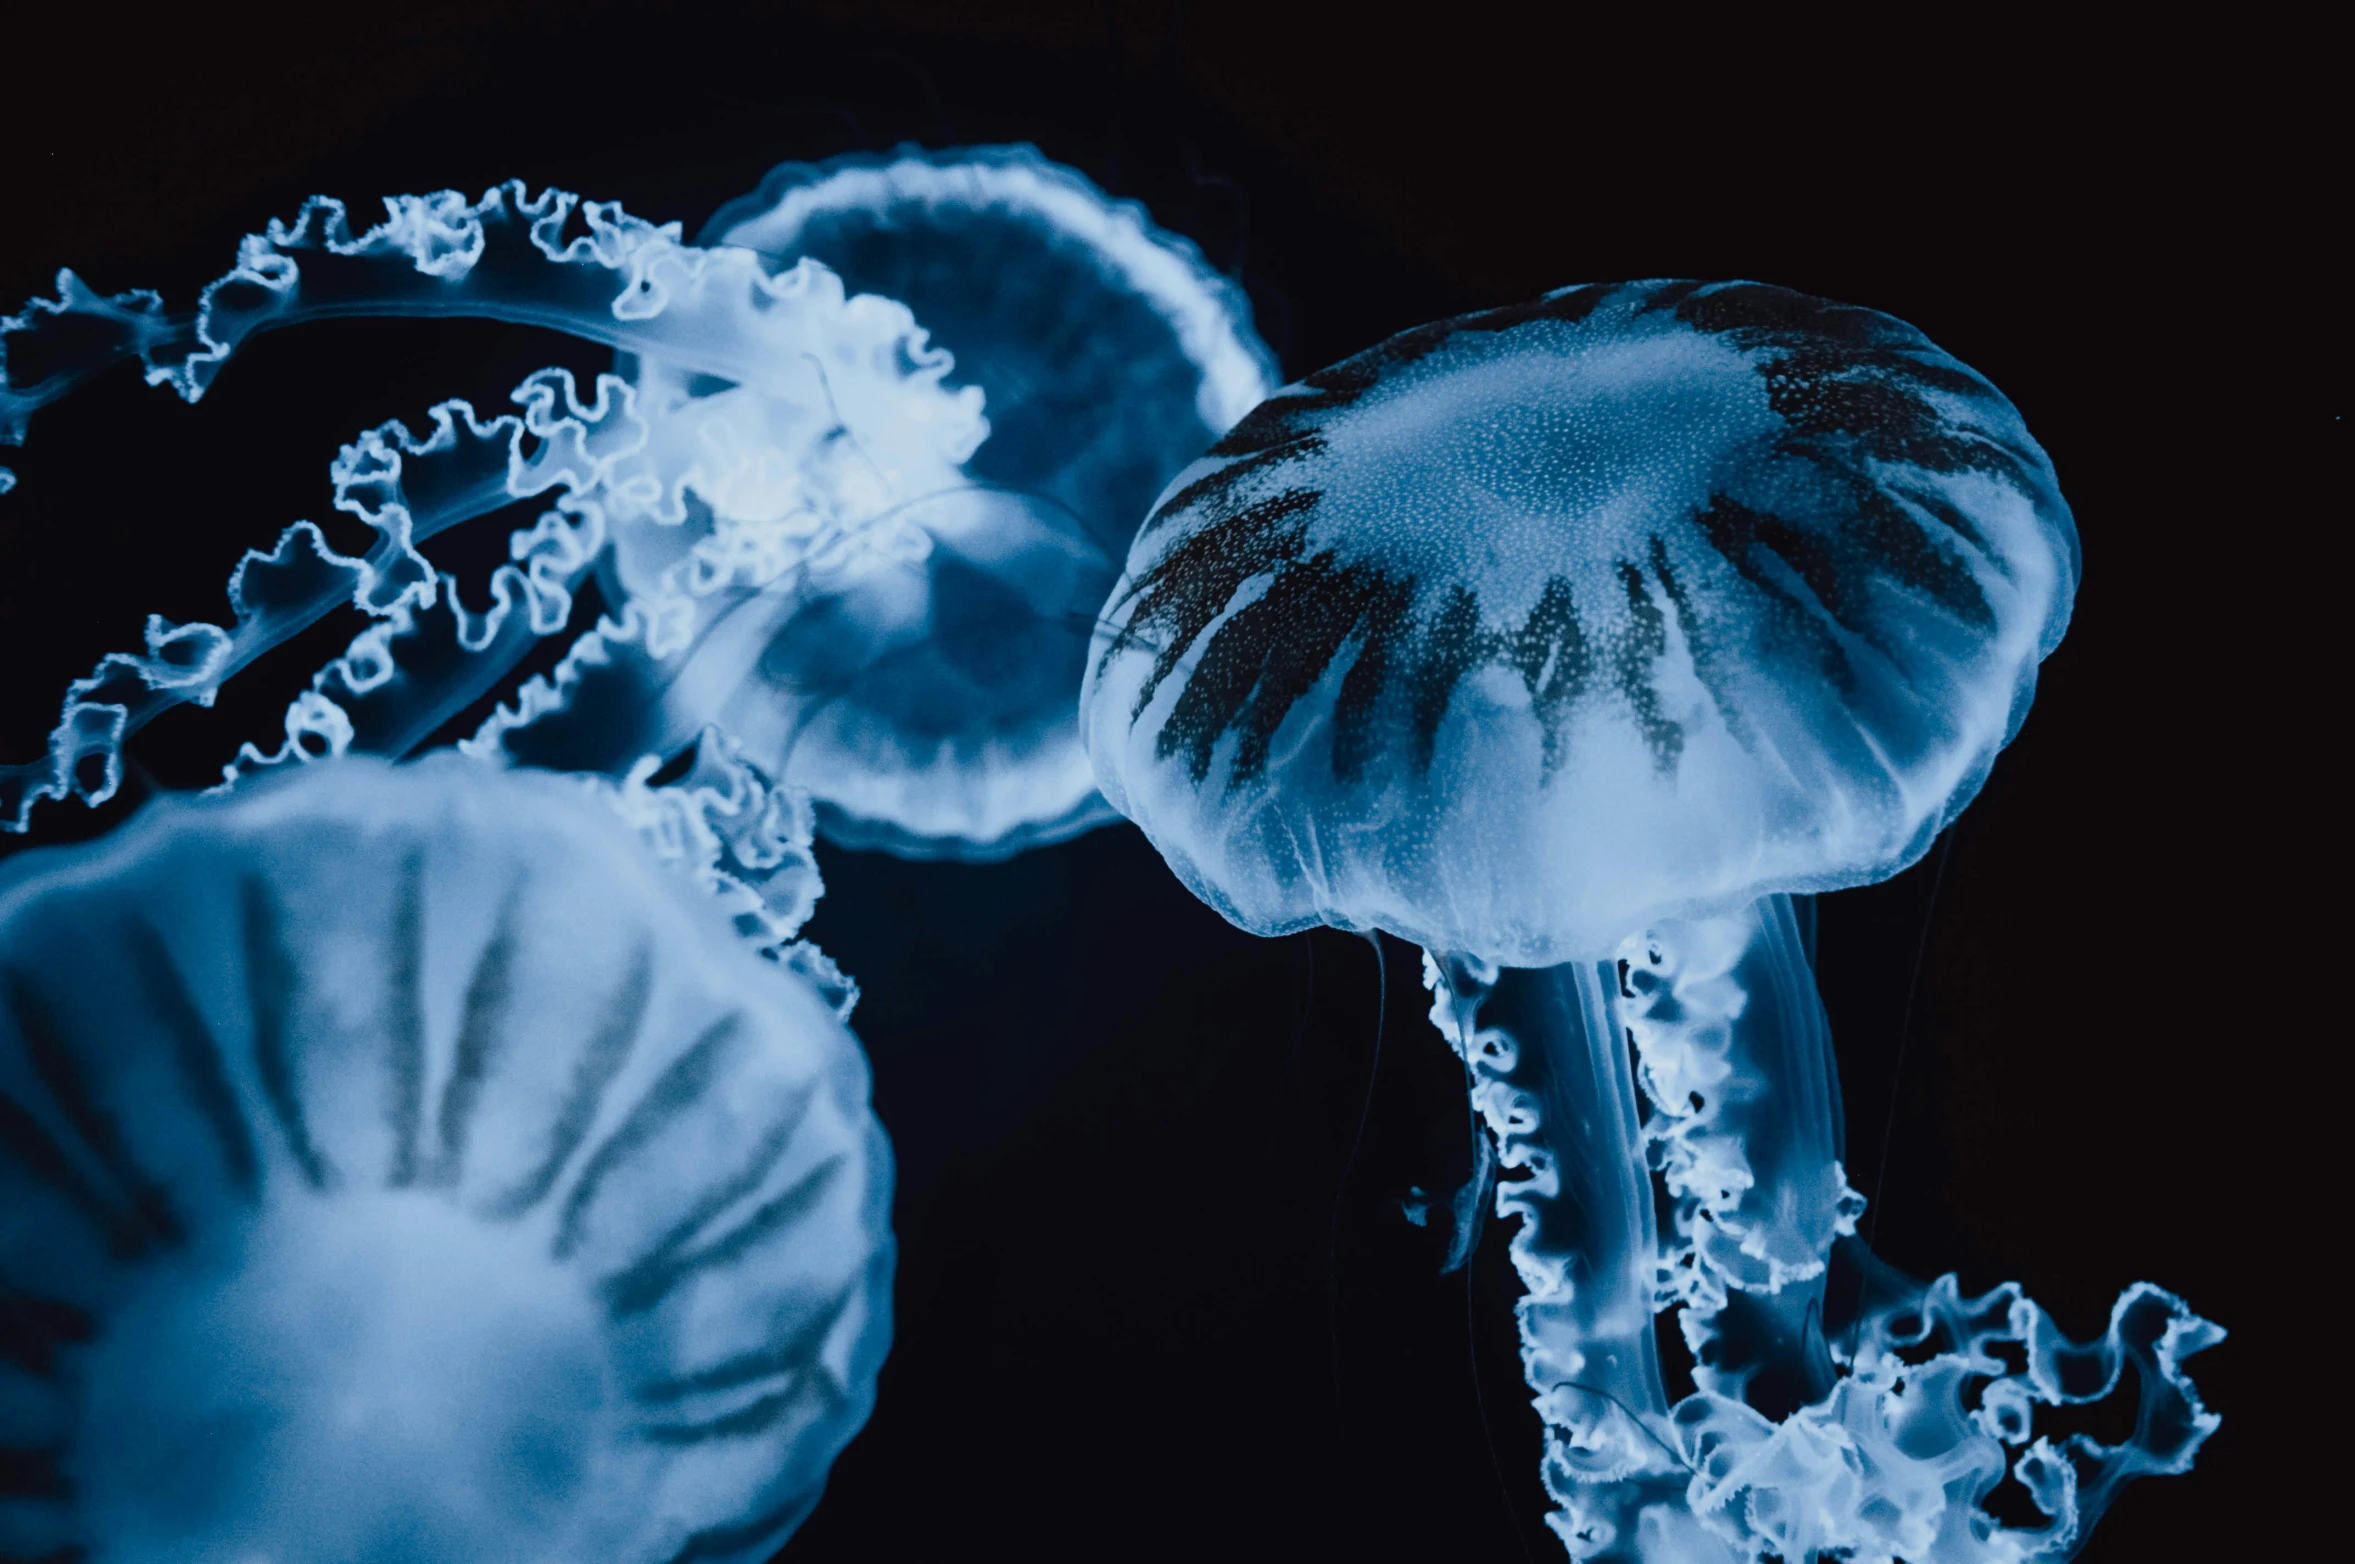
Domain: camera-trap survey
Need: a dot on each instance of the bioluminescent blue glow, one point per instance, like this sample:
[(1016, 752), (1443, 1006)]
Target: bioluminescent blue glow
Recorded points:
[(839, 415), (928, 706), (811, 534), (453, 1160), (402, 1164), (1570, 640)]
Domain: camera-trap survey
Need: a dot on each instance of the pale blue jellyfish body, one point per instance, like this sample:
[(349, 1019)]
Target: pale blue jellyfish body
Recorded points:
[(400, 1164), (1569, 641), (812, 535), (839, 415), (928, 705), (1108, 352)]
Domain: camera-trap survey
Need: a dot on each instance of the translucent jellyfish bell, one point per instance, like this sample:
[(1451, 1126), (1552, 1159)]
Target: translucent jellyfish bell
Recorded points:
[(926, 702), (1521, 628), (1568, 640), (1108, 352), (400, 1164)]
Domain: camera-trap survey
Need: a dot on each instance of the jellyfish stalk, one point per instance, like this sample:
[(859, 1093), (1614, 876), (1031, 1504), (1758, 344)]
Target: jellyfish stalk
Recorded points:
[(1698, 1061), (1549, 1079)]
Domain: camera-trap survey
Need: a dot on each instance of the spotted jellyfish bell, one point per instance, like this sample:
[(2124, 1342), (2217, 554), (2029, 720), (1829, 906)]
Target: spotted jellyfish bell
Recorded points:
[(401, 1164), (927, 703), (1569, 640)]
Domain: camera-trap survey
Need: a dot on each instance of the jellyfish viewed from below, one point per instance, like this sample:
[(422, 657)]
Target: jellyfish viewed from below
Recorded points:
[(927, 706), (1571, 641), (401, 1164), (842, 417), (810, 535)]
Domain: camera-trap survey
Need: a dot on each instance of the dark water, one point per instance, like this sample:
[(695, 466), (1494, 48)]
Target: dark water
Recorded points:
[(1141, 1313)]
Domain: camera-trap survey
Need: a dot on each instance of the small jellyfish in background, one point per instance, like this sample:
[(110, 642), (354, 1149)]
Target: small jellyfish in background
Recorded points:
[(927, 705), (842, 416), (1571, 641), (809, 532), (401, 1164)]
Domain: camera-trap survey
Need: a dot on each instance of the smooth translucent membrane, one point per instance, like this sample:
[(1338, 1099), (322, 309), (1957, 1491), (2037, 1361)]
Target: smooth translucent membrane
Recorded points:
[(401, 1164), (928, 706), (1569, 640)]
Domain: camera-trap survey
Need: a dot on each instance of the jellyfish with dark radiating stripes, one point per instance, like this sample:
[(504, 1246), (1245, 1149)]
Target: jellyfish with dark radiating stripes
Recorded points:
[(402, 1164), (1573, 641)]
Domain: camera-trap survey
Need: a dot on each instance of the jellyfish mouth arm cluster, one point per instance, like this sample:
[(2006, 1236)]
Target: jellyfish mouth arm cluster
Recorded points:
[(1745, 1129), (405, 490), (1548, 1082), (1865, 1429), (846, 397)]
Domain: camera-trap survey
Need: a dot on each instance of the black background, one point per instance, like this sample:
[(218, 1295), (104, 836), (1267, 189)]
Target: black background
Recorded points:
[(1151, 1305)]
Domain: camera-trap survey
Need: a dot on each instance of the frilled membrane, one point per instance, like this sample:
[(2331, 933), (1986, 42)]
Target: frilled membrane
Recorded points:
[(401, 1164), (925, 697), (1526, 626), (838, 412)]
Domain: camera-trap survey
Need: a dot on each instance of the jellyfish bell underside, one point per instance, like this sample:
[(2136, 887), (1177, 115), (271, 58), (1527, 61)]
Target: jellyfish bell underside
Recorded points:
[(1109, 353), (920, 691), (939, 697), (1570, 641), (400, 1164), (925, 699)]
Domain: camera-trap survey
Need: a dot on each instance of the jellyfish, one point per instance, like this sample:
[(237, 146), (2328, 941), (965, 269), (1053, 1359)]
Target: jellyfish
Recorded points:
[(928, 707), (773, 491), (1572, 641), (847, 417), (401, 1163)]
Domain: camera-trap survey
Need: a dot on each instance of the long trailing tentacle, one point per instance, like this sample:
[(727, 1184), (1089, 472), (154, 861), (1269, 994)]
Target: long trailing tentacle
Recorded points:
[(409, 673), (780, 349), (405, 489), (586, 268), (1877, 1439)]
